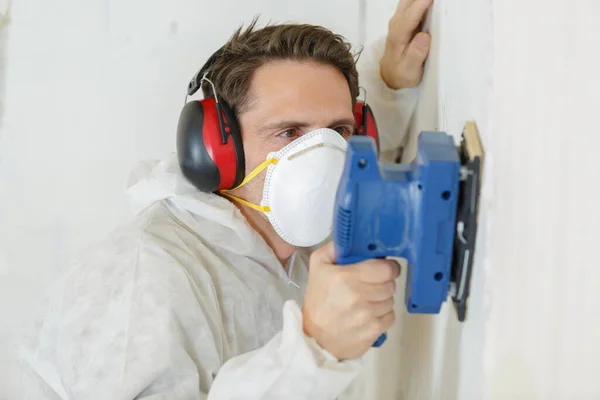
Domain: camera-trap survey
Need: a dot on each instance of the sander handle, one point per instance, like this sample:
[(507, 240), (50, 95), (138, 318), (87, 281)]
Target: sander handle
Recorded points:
[(352, 260)]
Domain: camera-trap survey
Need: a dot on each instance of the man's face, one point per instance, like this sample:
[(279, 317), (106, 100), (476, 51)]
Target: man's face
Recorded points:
[(287, 100)]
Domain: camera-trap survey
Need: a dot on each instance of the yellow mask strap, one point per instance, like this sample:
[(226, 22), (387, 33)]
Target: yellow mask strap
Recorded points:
[(254, 206), (262, 166)]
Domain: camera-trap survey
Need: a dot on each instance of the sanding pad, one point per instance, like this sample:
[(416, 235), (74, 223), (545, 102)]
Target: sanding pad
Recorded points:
[(471, 155)]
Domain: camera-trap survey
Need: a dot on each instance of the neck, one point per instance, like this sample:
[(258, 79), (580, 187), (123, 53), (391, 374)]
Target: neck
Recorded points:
[(282, 249)]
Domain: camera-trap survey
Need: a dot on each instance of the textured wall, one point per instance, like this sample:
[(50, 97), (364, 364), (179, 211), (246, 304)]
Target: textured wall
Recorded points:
[(542, 327), (529, 81)]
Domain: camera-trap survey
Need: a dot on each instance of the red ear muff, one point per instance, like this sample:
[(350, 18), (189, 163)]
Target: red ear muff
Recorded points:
[(365, 122), (209, 145)]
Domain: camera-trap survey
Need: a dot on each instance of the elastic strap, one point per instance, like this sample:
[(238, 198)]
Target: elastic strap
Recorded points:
[(262, 166)]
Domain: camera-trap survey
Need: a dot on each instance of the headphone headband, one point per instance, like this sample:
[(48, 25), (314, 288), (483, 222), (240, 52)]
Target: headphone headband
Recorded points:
[(196, 81)]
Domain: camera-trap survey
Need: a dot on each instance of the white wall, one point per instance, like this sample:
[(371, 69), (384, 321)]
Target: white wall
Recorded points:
[(543, 323), (529, 79)]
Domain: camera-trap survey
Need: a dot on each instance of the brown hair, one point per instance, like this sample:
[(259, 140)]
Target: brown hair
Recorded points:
[(247, 50)]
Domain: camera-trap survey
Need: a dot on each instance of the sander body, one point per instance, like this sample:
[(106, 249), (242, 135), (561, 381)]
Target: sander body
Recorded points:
[(424, 211)]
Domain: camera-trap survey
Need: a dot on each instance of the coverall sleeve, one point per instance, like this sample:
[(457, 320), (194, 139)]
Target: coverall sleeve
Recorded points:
[(393, 109), (131, 323), (289, 366)]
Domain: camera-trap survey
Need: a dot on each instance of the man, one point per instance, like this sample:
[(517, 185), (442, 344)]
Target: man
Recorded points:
[(203, 295)]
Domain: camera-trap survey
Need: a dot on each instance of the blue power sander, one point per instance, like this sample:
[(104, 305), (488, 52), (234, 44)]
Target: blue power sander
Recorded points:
[(424, 211)]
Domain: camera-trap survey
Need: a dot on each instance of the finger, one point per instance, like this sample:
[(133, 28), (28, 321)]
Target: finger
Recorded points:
[(386, 321), (376, 271), (375, 327), (416, 54), (417, 11), (381, 324), (381, 308), (403, 5), (403, 24), (377, 291), (418, 49)]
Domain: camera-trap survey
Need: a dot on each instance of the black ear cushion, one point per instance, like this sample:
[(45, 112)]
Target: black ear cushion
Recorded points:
[(235, 135), (194, 160)]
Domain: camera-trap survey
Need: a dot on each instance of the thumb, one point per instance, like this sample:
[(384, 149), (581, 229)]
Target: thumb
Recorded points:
[(416, 54), (324, 255)]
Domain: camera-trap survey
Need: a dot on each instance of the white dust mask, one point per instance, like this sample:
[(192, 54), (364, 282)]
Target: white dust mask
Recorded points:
[(300, 186)]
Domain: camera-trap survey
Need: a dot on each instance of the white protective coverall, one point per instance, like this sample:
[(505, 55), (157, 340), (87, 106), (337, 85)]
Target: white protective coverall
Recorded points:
[(189, 302)]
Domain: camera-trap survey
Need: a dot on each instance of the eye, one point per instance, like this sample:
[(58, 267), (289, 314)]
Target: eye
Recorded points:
[(344, 130), (290, 133)]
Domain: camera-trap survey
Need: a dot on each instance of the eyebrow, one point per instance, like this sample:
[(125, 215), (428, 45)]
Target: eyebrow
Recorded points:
[(303, 124)]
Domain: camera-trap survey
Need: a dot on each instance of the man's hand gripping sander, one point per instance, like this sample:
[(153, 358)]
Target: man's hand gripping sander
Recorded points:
[(424, 212)]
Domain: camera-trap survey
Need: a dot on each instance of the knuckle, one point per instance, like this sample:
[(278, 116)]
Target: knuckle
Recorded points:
[(391, 287), (376, 329), (314, 258), (342, 277), (363, 316), (391, 319), (385, 307), (386, 322), (354, 298), (379, 325), (389, 304)]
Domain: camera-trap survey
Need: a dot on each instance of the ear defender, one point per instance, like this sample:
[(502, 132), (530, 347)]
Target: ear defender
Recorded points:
[(209, 146), (209, 140), (365, 122)]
